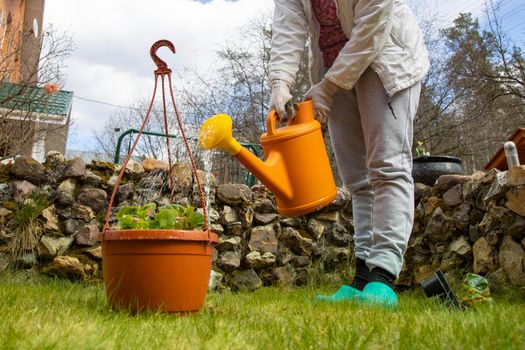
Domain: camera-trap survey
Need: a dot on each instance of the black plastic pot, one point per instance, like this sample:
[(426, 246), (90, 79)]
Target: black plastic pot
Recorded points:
[(428, 169), (437, 286)]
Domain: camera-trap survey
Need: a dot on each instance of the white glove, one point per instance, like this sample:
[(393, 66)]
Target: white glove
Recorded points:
[(280, 97), (322, 96)]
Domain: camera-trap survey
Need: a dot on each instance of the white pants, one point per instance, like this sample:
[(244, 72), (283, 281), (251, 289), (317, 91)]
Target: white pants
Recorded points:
[(372, 141)]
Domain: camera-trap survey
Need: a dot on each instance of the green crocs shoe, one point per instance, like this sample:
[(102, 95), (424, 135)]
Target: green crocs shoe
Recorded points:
[(345, 293), (378, 294)]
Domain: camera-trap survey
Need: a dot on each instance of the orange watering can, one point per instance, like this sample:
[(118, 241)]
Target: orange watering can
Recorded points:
[(296, 170)]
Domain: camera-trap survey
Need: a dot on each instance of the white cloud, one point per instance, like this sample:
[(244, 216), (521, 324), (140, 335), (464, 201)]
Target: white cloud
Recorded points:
[(111, 62)]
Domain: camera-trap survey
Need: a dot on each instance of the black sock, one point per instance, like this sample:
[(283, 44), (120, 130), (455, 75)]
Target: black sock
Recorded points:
[(362, 274), (378, 274)]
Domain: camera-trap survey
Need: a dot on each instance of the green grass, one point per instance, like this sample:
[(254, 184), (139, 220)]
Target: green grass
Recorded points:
[(42, 313)]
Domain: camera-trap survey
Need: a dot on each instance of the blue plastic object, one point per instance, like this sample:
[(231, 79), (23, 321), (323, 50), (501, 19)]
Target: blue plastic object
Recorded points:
[(345, 293), (379, 294)]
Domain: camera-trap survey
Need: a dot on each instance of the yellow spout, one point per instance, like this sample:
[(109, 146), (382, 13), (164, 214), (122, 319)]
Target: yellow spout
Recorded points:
[(216, 132)]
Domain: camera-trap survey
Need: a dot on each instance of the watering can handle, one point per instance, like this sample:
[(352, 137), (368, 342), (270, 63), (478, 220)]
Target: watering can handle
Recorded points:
[(270, 122), (304, 114)]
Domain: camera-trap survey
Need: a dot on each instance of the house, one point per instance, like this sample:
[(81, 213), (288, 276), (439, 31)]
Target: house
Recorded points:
[(33, 118), (499, 161), (37, 122)]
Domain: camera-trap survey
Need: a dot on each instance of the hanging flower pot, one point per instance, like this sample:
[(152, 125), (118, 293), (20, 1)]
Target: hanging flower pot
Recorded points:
[(427, 169), (158, 260), (160, 270)]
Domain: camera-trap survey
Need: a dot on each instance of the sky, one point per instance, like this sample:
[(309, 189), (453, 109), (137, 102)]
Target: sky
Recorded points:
[(111, 67)]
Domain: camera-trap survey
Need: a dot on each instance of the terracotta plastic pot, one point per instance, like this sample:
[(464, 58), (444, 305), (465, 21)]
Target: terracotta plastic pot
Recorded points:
[(158, 270)]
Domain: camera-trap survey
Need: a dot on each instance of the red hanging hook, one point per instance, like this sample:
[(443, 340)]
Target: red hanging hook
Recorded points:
[(161, 65)]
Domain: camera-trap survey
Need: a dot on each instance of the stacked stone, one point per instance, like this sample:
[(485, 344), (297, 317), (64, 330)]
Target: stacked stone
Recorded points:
[(462, 224), (260, 247), (76, 196), (470, 224)]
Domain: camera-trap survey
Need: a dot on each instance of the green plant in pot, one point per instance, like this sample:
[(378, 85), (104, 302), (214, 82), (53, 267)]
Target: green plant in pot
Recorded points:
[(166, 217), (420, 150), (426, 168)]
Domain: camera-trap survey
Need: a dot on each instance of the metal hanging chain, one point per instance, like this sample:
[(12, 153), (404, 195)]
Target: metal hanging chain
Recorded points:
[(161, 71)]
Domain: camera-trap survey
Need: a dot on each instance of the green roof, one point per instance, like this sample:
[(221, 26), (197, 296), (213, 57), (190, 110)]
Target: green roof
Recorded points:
[(35, 99)]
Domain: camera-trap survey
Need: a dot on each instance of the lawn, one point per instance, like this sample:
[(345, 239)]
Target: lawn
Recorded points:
[(42, 313)]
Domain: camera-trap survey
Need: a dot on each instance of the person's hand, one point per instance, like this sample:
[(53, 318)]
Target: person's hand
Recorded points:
[(322, 96), (280, 98)]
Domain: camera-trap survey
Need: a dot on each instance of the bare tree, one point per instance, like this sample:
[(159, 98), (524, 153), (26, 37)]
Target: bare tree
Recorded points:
[(510, 72), (126, 123), (472, 99), (238, 87)]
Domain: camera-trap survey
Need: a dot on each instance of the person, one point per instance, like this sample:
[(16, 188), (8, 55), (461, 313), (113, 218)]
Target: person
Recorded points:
[(367, 59)]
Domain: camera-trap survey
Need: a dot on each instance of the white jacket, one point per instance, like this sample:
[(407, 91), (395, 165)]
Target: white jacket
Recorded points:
[(383, 34)]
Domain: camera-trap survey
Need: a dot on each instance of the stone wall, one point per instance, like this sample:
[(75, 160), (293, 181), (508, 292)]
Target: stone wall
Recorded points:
[(462, 224)]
